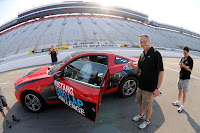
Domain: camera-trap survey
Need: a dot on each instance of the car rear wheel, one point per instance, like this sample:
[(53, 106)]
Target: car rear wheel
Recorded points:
[(33, 101), (128, 86)]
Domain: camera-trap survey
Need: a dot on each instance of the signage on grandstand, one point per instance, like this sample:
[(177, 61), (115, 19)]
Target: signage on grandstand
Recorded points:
[(48, 49), (96, 46)]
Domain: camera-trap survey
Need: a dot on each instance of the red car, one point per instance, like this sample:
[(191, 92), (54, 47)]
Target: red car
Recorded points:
[(79, 80)]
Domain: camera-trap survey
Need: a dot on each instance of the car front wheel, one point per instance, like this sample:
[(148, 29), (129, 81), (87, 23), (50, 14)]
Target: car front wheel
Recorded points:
[(128, 86), (33, 101)]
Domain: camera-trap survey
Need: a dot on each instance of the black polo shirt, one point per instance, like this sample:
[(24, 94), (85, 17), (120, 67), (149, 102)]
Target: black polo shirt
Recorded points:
[(150, 64), (184, 74)]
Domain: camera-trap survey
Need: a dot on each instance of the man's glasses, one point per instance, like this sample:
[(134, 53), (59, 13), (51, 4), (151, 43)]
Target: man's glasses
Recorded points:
[(142, 42)]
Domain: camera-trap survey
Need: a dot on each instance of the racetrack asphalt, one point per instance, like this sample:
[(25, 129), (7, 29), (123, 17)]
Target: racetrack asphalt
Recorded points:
[(115, 114)]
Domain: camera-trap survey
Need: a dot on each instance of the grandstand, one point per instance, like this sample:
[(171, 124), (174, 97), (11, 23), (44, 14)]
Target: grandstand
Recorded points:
[(79, 23)]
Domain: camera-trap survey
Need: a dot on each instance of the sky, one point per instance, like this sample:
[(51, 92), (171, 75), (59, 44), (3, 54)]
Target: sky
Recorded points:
[(179, 13)]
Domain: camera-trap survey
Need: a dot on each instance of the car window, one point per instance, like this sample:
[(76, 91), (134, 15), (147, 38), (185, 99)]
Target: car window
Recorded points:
[(119, 60), (99, 59), (86, 71)]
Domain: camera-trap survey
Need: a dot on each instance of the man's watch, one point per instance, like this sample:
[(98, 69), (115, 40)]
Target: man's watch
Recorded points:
[(159, 90)]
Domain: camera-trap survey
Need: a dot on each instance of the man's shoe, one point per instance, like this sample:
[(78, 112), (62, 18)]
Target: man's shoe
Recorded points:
[(180, 108), (8, 124), (144, 124), (138, 117), (177, 103), (15, 118)]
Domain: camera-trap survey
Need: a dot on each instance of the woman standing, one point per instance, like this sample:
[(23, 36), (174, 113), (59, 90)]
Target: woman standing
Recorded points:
[(54, 54)]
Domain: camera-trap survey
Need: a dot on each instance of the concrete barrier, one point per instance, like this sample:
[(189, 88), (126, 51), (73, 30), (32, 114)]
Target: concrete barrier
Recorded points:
[(44, 58)]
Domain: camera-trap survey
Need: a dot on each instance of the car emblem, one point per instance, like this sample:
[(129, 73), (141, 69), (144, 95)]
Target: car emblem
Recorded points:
[(127, 68)]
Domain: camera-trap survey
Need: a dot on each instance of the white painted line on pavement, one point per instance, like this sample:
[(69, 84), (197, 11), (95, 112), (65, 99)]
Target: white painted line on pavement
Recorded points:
[(178, 66), (179, 71), (171, 69), (5, 83)]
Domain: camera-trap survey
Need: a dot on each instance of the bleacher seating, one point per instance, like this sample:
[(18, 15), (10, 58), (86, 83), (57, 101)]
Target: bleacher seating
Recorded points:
[(83, 29)]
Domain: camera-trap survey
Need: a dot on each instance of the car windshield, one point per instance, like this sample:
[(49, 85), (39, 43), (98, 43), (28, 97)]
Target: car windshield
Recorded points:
[(55, 67)]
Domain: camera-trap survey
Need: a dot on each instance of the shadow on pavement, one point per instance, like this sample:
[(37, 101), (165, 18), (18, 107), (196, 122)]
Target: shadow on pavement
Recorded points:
[(114, 116), (194, 125)]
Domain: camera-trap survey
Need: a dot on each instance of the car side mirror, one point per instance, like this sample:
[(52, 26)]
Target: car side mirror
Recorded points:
[(58, 74)]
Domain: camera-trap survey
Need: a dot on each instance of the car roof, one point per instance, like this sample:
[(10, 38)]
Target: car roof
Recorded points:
[(89, 52)]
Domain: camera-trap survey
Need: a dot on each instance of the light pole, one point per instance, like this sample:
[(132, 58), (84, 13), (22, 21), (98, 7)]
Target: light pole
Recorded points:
[(94, 33)]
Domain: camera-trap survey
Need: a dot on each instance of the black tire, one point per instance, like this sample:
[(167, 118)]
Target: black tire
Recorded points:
[(124, 87), (33, 101)]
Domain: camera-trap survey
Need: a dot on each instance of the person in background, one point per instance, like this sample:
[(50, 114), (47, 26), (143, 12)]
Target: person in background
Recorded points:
[(54, 54), (152, 72), (3, 103), (186, 65)]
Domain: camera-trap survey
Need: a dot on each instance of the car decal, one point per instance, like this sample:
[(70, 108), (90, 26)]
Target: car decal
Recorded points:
[(66, 95), (49, 95), (127, 68), (80, 82), (25, 83)]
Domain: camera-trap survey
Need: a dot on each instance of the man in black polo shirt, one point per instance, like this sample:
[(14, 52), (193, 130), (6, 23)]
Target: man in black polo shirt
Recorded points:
[(186, 65), (152, 72)]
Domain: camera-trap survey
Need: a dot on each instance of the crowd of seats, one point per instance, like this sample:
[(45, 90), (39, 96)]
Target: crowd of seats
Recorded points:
[(83, 29)]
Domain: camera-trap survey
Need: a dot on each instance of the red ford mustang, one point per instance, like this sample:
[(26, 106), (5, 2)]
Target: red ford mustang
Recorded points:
[(79, 80)]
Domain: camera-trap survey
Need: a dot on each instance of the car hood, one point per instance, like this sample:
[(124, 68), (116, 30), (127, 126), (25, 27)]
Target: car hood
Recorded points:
[(38, 73)]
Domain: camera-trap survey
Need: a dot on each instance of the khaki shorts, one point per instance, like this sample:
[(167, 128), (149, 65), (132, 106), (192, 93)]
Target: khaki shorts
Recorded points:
[(145, 98), (183, 84)]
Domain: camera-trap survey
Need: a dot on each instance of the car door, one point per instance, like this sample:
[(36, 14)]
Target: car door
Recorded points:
[(81, 92)]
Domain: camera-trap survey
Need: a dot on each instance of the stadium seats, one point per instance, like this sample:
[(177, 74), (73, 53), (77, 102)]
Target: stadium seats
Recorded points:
[(71, 30)]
